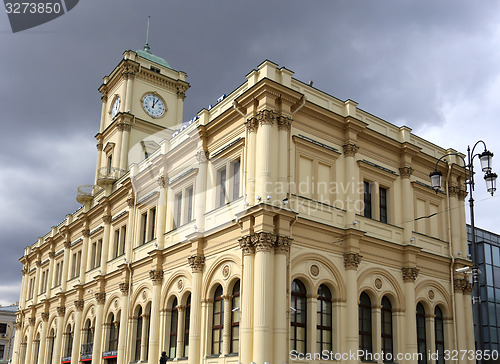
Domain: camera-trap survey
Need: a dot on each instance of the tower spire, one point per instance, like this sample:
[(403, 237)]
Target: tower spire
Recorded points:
[(146, 47)]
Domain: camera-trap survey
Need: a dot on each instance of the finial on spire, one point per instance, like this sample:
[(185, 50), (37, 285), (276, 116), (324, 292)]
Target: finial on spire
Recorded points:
[(146, 47)]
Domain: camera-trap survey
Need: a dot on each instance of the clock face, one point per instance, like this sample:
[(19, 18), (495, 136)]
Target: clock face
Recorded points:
[(116, 107), (153, 105)]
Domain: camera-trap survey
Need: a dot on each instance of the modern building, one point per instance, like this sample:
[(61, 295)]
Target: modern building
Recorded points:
[(488, 260), (7, 332), (277, 224)]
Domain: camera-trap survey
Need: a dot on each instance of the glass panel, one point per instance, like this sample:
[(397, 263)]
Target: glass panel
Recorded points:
[(496, 255)]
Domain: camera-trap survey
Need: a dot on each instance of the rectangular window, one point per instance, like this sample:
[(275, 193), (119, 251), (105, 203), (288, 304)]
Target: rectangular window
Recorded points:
[(3, 328), (116, 244), (31, 289), (123, 235), (152, 223), (178, 210), (144, 225), (222, 186), (367, 199), (78, 263), (73, 266), (236, 180), (189, 204), (2, 352), (383, 204)]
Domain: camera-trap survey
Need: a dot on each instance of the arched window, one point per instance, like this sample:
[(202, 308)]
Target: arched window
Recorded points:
[(68, 342), (421, 336), (386, 327), (235, 318), (324, 324), (186, 326), (174, 319), (50, 345), (114, 330), (218, 321), (36, 348), (298, 332), (138, 335), (365, 323), (88, 344), (439, 334)]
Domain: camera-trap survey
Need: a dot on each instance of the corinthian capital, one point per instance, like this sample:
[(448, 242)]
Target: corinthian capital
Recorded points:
[(246, 245), (350, 149), (405, 172), (410, 274), (283, 244), (263, 242), (156, 275), (267, 117), (352, 260), (197, 262)]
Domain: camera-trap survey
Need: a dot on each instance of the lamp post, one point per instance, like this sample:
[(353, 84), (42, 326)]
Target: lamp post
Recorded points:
[(486, 163)]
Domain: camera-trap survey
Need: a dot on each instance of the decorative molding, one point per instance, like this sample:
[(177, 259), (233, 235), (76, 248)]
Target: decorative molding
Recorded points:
[(410, 274), (79, 304), (462, 285), (267, 117), (283, 244), (106, 219), (246, 245), (226, 271), (378, 283), (18, 325), (124, 288), (453, 191), (32, 321), (45, 316), (197, 262), (263, 242), (131, 200), (352, 260), (284, 123), (156, 275), (61, 310), (25, 270), (314, 270), (86, 233), (462, 194), (67, 244), (405, 172), (100, 297), (252, 125), (350, 149), (201, 156)]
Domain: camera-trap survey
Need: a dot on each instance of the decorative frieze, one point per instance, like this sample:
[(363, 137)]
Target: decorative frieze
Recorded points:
[(405, 172), (197, 262), (350, 149), (410, 274), (156, 275), (79, 305), (100, 297), (352, 260)]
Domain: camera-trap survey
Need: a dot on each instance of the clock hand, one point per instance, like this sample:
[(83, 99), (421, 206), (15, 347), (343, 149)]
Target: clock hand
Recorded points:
[(154, 103)]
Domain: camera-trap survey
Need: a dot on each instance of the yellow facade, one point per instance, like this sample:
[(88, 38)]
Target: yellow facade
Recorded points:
[(260, 231)]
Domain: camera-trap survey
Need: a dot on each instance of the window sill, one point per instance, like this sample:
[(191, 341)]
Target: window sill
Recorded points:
[(232, 354), (213, 356)]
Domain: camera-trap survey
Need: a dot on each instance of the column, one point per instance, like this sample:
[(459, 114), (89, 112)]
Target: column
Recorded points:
[(77, 333), (97, 352), (459, 286), (284, 125), (281, 306), (162, 209), (409, 276), (181, 311), (85, 249), (125, 137), (122, 336), (50, 275), (467, 317), (407, 205), (200, 198), (31, 335), (263, 296), (17, 343), (144, 336), (351, 263), (456, 230), (43, 338), (197, 263), (266, 152), (106, 219), (130, 227), (117, 150), (61, 310), (226, 333), (65, 263), (246, 288), (251, 126), (38, 274), (181, 95), (129, 77), (156, 276), (377, 327), (461, 201), (24, 288), (351, 180), (99, 157)]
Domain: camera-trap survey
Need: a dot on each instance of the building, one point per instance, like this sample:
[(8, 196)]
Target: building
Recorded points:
[(7, 331), (278, 223), (488, 261)]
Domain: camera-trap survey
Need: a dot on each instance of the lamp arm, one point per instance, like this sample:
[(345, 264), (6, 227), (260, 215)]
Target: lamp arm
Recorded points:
[(458, 155), (474, 147)]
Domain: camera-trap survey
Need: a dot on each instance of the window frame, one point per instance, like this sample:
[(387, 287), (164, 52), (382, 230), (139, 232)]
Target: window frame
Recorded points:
[(324, 302), (386, 312), (235, 324), (365, 316), (296, 297), (217, 326)]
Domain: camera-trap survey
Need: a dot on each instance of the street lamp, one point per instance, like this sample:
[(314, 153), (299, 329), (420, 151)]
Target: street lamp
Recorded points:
[(490, 178)]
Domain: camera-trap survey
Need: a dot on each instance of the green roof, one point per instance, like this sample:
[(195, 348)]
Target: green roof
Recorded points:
[(151, 57)]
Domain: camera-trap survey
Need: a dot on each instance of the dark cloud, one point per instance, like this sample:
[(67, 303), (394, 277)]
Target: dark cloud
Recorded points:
[(404, 61)]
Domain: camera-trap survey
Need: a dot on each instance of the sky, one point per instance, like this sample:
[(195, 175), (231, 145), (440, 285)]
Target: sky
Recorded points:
[(433, 66)]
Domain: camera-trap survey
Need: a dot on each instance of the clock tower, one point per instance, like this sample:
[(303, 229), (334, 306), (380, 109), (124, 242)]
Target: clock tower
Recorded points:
[(142, 102)]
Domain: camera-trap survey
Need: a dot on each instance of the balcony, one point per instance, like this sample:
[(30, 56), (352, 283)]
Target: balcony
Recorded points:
[(86, 193), (107, 176), (86, 352)]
